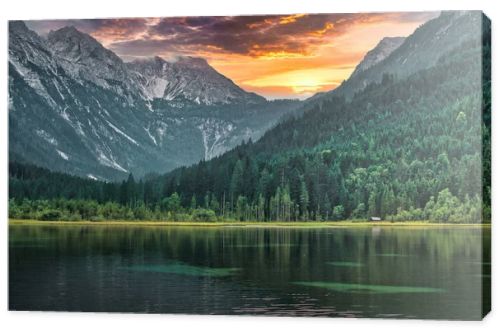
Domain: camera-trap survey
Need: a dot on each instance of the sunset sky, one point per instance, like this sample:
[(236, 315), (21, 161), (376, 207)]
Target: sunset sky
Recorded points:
[(278, 56)]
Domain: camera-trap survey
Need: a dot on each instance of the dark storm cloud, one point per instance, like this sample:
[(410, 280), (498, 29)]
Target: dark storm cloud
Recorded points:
[(120, 29), (106, 30), (239, 35), (243, 35), (250, 35)]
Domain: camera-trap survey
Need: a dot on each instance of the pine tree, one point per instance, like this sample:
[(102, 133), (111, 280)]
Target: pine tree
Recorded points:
[(235, 187), (304, 201)]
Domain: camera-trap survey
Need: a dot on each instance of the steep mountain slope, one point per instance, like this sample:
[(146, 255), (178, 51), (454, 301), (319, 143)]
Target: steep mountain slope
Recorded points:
[(187, 78), (76, 107), (383, 49), (373, 57), (85, 60), (420, 50)]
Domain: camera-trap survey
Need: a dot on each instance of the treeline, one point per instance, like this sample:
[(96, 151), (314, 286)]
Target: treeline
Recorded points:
[(37, 193), (446, 208), (90, 210), (402, 149)]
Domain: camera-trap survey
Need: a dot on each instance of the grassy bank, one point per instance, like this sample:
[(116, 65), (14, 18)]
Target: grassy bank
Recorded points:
[(313, 224)]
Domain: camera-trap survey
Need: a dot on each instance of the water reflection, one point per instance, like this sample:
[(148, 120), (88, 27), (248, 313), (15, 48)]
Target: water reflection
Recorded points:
[(387, 272)]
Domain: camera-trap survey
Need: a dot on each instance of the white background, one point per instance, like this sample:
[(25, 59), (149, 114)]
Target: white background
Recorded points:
[(50, 322)]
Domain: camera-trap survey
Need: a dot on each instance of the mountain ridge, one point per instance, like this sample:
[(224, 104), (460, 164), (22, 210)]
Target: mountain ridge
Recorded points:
[(154, 75), (380, 52), (406, 59), (75, 106)]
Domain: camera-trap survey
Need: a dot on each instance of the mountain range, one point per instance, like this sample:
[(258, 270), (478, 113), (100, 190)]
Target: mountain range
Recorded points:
[(76, 107), (406, 137)]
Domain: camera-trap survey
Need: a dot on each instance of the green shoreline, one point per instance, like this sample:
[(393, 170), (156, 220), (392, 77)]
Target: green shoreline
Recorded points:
[(339, 224)]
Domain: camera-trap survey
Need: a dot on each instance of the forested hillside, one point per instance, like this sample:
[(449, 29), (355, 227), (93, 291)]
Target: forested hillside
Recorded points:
[(404, 148)]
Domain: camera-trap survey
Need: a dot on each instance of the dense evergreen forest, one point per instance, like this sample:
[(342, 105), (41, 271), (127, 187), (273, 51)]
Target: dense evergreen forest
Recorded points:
[(402, 149)]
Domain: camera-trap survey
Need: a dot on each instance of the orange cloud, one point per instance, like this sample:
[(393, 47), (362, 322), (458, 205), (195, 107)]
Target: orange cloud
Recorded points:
[(120, 30), (328, 26), (275, 55), (290, 18)]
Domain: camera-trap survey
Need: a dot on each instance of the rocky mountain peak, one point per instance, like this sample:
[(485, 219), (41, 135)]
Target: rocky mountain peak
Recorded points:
[(17, 27), (149, 66), (73, 44), (429, 43), (87, 60), (187, 78), (194, 62), (381, 51), (19, 30)]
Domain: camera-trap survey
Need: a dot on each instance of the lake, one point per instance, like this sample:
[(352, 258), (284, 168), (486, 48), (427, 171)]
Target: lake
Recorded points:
[(431, 272)]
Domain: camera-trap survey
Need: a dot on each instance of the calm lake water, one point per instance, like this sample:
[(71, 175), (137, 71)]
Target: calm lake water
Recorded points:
[(388, 272)]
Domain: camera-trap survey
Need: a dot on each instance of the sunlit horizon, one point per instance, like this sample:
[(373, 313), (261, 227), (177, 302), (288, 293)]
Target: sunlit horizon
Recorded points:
[(278, 56)]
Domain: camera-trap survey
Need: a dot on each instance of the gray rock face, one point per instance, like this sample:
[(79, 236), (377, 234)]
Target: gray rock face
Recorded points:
[(76, 107), (85, 59), (188, 78), (422, 49), (383, 49)]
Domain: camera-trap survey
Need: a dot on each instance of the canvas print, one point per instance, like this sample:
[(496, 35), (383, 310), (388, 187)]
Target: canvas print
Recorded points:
[(321, 165)]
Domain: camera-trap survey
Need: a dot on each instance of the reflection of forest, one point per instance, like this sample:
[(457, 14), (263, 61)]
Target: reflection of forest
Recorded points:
[(426, 265), (315, 246)]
